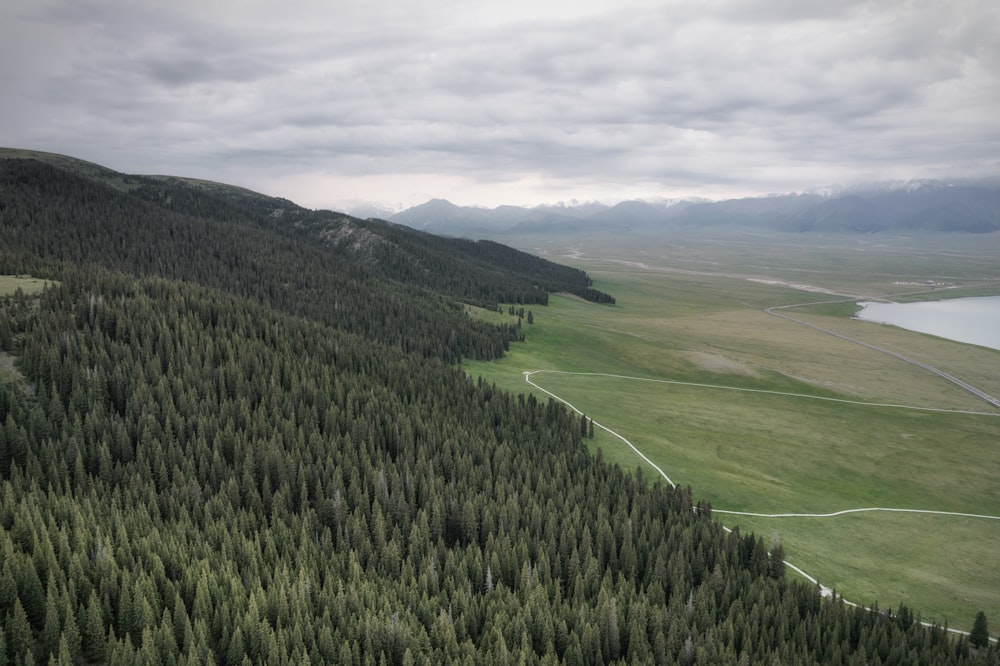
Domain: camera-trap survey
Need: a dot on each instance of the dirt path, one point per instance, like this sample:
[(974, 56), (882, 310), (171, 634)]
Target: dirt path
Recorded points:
[(824, 591), (722, 387), (849, 511)]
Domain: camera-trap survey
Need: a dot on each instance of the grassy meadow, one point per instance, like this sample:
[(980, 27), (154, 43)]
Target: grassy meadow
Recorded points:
[(9, 284), (762, 414)]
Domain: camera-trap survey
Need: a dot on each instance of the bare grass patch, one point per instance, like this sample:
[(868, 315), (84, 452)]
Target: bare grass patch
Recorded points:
[(720, 364)]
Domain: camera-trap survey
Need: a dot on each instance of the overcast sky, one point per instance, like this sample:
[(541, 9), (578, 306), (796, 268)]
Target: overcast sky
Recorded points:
[(523, 101)]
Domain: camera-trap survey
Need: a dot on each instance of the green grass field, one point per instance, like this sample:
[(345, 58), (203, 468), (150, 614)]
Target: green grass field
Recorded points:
[(9, 284), (27, 284), (690, 309)]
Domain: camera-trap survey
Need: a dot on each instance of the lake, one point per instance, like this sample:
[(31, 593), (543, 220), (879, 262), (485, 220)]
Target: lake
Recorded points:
[(973, 320)]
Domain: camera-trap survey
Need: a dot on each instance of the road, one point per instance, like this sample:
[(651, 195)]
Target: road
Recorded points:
[(979, 393)]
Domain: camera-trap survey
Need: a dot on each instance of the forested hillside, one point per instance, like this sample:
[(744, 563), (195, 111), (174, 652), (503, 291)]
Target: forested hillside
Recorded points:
[(203, 462), (258, 241)]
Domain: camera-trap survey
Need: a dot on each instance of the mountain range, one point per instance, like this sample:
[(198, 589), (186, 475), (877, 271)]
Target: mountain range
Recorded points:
[(911, 206)]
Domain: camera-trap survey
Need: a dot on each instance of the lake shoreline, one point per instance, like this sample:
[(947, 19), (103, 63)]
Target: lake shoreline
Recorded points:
[(972, 320)]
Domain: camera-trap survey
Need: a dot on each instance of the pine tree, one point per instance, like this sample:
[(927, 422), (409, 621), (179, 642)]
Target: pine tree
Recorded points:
[(6, 337), (92, 633), (776, 565), (63, 655), (980, 635), (52, 629), (18, 632)]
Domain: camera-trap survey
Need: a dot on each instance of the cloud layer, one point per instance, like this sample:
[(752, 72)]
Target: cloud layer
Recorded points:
[(520, 102)]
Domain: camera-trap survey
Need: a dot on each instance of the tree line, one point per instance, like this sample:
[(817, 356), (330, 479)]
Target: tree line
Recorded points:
[(191, 477)]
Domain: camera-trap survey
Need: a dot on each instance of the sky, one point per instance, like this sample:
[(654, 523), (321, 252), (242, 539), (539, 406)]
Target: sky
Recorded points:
[(335, 102)]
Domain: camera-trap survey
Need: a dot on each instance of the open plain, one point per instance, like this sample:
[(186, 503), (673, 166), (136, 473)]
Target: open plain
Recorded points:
[(775, 415)]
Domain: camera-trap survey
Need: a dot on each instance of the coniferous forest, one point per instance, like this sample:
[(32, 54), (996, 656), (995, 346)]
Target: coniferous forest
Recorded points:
[(234, 431)]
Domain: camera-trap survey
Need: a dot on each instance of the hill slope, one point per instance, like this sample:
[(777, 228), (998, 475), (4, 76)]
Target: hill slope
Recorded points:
[(479, 273), (191, 474)]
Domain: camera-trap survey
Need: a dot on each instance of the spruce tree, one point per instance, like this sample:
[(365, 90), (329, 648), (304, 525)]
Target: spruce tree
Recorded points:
[(18, 632), (776, 565), (980, 635)]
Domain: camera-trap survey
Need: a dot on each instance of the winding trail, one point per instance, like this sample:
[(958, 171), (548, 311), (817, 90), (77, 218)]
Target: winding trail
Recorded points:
[(527, 378), (722, 387), (824, 591), (863, 510), (992, 400)]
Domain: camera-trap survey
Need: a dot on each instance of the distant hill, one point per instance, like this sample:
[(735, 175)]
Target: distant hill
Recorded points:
[(443, 217), (38, 185), (930, 206)]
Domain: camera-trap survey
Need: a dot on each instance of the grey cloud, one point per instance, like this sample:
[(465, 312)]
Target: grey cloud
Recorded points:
[(724, 91), (181, 70)]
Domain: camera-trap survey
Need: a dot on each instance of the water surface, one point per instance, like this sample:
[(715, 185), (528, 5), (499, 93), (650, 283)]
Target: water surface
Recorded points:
[(973, 320)]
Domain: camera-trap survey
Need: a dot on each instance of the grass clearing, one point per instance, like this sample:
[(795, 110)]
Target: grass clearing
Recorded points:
[(690, 309), (29, 286), (7, 369), (9, 284)]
